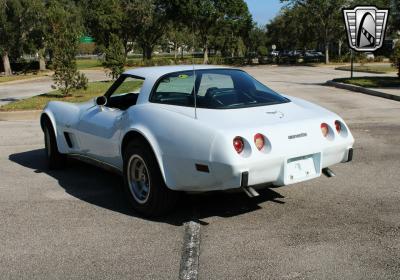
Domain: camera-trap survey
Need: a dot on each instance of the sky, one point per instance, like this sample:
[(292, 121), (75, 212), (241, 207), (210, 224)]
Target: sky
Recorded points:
[(263, 10)]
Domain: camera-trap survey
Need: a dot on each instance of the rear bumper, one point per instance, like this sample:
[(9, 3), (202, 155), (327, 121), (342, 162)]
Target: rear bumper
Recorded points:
[(273, 170)]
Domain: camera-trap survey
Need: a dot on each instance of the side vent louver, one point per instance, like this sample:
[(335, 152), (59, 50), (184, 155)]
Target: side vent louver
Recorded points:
[(68, 139)]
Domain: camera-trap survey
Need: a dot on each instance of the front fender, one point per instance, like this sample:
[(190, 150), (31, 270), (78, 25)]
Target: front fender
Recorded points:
[(63, 115)]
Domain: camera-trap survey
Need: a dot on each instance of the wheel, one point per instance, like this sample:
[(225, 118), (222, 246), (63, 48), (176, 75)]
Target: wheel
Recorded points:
[(144, 183), (55, 159)]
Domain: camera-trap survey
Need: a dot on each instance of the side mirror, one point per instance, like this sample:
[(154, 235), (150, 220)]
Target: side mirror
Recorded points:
[(101, 100)]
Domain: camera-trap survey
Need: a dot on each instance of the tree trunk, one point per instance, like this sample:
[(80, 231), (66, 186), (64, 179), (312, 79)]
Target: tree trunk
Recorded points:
[(205, 57), (326, 53), (42, 60), (126, 48), (340, 48), (398, 67), (175, 51), (6, 64), (148, 52)]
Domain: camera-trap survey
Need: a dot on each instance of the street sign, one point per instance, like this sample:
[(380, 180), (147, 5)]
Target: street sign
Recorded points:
[(86, 39)]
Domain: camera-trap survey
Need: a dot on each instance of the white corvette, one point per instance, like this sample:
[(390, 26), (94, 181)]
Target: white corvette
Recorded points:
[(234, 132)]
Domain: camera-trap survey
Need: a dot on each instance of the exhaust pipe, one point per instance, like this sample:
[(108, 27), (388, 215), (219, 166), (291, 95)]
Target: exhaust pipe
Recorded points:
[(244, 185), (250, 192), (328, 172)]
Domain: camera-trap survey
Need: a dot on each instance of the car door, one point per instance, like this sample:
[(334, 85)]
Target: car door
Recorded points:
[(100, 126)]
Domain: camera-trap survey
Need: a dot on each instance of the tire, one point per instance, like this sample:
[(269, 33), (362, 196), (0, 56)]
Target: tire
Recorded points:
[(55, 159), (144, 183)]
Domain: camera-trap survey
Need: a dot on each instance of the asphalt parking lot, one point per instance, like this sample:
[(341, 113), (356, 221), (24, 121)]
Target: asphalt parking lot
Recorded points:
[(75, 223)]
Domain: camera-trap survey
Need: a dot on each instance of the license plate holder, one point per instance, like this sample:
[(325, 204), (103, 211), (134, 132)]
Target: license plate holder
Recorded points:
[(302, 168)]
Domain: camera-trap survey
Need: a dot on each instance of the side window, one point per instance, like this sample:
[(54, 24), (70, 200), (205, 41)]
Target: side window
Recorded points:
[(126, 92), (129, 85), (211, 80), (175, 89)]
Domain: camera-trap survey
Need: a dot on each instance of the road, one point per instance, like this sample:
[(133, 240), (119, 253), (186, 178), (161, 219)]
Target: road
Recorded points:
[(75, 223), (16, 90)]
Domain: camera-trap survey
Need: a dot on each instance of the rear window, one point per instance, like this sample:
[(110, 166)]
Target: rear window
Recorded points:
[(215, 89)]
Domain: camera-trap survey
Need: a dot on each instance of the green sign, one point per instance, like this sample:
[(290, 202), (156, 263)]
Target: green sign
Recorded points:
[(86, 39)]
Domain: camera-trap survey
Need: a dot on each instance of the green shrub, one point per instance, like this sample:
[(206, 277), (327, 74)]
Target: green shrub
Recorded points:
[(262, 51), (379, 58)]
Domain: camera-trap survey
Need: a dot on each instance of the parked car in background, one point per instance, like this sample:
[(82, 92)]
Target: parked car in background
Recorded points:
[(275, 53)]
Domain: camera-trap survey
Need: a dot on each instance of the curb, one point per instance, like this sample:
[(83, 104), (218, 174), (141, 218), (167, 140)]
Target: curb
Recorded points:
[(20, 115), (363, 90)]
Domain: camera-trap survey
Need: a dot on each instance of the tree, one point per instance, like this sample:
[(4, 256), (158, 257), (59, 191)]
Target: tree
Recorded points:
[(10, 16), (34, 29), (257, 41), (178, 36), (206, 19), (65, 28), (104, 18), (114, 58), (327, 16), (396, 57), (292, 29), (150, 24), (130, 20)]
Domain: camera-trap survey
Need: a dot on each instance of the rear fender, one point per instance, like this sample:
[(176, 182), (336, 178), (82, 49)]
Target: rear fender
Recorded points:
[(151, 140)]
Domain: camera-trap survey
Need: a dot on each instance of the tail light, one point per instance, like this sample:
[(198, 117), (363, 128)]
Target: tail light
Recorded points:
[(259, 141), (238, 144), (338, 126), (324, 129)]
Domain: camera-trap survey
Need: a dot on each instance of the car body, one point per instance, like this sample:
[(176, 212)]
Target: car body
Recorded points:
[(195, 144)]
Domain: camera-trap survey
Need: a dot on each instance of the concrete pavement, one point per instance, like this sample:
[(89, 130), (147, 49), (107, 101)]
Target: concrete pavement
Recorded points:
[(14, 91)]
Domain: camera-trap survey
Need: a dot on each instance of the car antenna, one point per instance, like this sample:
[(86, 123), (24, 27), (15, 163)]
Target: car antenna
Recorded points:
[(194, 76)]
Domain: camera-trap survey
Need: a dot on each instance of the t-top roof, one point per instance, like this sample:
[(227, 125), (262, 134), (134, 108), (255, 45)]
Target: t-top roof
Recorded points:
[(158, 71)]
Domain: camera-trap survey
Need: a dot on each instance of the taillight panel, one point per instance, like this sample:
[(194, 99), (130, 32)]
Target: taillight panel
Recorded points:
[(338, 126), (325, 129), (259, 141), (238, 144)]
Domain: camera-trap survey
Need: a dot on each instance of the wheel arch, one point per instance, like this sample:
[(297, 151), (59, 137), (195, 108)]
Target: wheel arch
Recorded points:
[(149, 140), (48, 116)]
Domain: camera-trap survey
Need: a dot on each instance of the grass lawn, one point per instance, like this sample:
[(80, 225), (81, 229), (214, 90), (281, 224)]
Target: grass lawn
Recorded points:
[(371, 68), (372, 82), (38, 102), (19, 77), (88, 64)]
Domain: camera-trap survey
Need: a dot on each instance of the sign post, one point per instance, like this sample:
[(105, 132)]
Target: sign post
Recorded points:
[(352, 63)]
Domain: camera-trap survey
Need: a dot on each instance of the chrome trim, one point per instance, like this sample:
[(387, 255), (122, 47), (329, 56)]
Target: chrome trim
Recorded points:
[(96, 162)]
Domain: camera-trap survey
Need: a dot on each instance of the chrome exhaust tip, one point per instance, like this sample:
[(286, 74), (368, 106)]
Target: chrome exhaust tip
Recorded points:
[(250, 192), (244, 185), (328, 172)]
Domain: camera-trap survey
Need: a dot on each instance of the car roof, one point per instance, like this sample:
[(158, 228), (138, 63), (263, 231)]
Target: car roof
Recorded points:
[(158, 71)]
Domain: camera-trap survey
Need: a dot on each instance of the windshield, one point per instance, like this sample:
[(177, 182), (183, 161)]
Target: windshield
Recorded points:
[(215, 89)]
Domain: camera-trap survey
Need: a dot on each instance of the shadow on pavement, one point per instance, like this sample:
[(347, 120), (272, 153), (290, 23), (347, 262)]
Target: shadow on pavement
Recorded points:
[(104, 189)]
